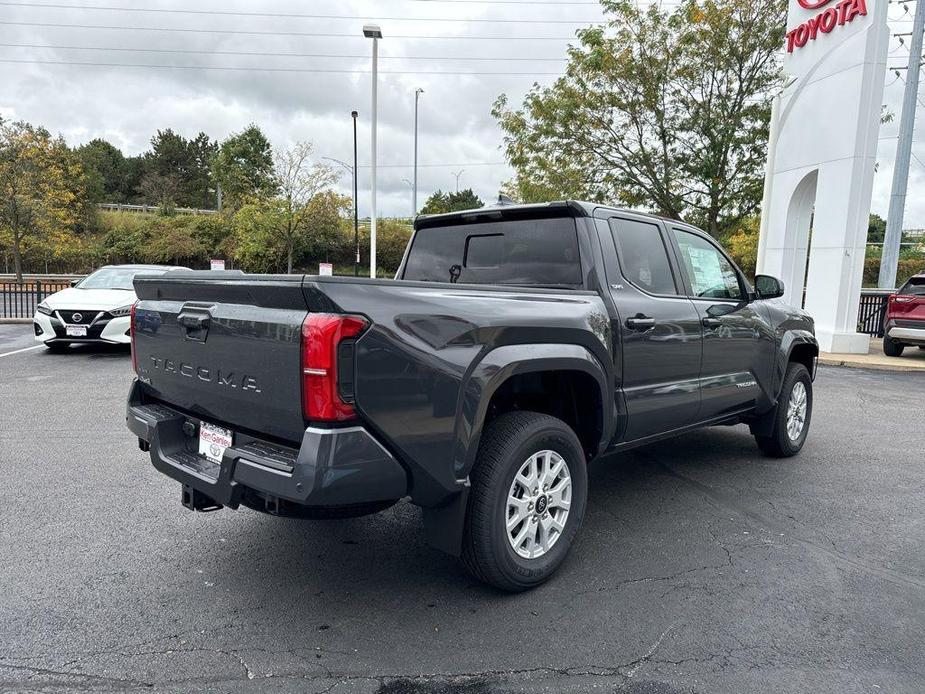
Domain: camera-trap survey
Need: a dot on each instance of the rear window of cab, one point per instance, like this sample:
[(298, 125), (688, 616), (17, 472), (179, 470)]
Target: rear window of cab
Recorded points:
[(517, 252), (914, 287)]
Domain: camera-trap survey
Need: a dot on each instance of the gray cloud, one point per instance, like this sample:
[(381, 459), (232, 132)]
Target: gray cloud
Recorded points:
[(127, 105)]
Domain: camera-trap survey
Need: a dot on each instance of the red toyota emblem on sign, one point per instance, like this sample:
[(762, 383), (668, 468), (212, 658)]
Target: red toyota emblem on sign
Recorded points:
[(812, 4)]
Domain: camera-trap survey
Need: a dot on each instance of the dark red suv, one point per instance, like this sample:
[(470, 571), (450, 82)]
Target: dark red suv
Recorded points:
[(904, 323)]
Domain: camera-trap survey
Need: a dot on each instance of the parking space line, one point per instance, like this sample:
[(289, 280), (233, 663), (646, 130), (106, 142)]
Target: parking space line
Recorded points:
[(17, 351)]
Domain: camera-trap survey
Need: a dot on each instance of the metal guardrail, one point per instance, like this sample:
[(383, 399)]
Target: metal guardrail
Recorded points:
[(119, 207), (19, 300)]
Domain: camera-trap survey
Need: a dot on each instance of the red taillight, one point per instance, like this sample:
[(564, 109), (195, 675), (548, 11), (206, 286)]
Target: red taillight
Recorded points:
[(131, 322), (321, 335)]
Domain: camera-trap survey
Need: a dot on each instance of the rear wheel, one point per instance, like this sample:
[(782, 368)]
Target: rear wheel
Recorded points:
[(528, 496), (891, 347), (790, 418), (58, 347)]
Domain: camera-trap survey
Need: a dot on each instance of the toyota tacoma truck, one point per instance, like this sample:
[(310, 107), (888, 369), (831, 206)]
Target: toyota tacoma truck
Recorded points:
[(515, 345)]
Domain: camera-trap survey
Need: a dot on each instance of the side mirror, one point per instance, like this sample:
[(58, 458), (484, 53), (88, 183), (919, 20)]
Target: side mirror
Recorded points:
[(74, 283), (767, 287)]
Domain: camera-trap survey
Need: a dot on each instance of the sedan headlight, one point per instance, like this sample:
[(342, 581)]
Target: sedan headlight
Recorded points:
[(44, 308), (121, 311)]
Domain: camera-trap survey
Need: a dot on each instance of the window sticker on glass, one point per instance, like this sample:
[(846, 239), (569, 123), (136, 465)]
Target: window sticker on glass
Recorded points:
[(712, 275)]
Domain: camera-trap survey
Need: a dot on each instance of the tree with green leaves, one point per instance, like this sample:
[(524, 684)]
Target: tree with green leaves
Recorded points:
[(104, 166), (177, 171), (440, 202), (243, 166), (876, 229), (299, 181), (662, 109), (42, 190)]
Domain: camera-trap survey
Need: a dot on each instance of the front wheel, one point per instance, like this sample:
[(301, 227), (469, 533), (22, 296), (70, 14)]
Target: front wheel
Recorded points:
[(891, 347), (790, 418), (527, 500)]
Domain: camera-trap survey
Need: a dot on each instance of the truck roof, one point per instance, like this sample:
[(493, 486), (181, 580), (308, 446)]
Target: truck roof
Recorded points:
[(563, 208)]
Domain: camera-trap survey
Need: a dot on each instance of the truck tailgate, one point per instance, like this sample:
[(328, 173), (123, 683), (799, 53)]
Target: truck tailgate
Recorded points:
[(225, 347)]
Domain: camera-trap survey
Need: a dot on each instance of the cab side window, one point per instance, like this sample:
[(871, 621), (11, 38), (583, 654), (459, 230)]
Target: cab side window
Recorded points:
[(712, 276), (643, 256)]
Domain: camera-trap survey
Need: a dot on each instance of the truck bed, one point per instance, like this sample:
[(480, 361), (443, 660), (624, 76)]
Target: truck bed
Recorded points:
[(226, 347)]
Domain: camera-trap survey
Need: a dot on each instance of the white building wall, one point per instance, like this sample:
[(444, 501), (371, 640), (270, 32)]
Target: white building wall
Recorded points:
[(821, 168)]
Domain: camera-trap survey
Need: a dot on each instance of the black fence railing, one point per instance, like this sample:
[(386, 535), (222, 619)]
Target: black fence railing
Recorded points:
[(870, 312), (19, 300)]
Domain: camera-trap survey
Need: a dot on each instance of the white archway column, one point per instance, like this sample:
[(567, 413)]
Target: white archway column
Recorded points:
[(821, 167)]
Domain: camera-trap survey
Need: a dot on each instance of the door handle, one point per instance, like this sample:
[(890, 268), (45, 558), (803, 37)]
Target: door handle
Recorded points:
[(710, 322), (640, 322)]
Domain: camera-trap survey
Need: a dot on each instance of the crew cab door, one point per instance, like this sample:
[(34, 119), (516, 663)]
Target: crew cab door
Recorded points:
[(657, 330), (738, 341)]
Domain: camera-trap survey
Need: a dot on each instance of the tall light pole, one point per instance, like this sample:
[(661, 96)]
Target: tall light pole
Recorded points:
[(356, 205), (372, 31), (457, 174), (414, 192), (414, 207), (352, 170), (889, 255)]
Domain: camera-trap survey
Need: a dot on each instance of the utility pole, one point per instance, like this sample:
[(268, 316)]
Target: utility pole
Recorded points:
[(889, 258), (372, 31), (460, 172), (414, 192), (218, 197)]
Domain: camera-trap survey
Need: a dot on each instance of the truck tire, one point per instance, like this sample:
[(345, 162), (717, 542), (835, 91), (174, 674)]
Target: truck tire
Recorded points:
[(790, 418), (892, 348), (529, 488)]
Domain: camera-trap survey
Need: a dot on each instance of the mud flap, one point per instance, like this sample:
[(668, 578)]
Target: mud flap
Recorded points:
[(444, 525)]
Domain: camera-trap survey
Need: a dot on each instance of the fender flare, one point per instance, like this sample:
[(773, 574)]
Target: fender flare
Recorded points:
[(789, 340), (497, 366)]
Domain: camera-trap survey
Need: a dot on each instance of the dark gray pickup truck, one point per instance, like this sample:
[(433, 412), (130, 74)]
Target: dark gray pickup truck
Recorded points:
[(515, 345)]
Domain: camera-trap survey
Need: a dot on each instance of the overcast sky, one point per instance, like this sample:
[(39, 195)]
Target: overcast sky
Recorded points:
[(127, 104)]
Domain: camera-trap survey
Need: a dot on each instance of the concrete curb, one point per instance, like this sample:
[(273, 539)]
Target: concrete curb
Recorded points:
[(12, 321), (850, 361)]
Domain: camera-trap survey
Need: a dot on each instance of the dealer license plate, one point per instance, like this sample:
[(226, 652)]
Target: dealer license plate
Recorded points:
[(76, 331), (213, 441)]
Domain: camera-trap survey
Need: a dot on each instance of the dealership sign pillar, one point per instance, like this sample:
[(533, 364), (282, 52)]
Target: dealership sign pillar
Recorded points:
[(821, 157)]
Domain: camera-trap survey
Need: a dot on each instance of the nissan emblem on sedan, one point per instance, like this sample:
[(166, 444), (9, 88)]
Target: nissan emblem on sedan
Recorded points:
[(107, 294)]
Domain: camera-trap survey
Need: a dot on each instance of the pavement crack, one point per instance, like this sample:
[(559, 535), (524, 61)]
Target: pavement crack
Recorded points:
[(726, 502)]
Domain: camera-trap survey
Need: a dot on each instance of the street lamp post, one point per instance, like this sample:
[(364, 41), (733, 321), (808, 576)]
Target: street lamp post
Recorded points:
[(414, 192), (457, 174), (353, 170), (413, 207), (372, 31), (356, 208)]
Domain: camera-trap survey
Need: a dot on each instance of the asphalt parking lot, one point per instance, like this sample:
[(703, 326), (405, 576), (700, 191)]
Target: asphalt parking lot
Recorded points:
[(701, 566)]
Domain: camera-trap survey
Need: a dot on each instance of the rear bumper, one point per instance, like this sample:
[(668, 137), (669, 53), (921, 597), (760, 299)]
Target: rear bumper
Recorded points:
[(332, 467), (913, 334)]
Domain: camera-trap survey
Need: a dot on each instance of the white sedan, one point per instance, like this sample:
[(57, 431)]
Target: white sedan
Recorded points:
[(96, 309)]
